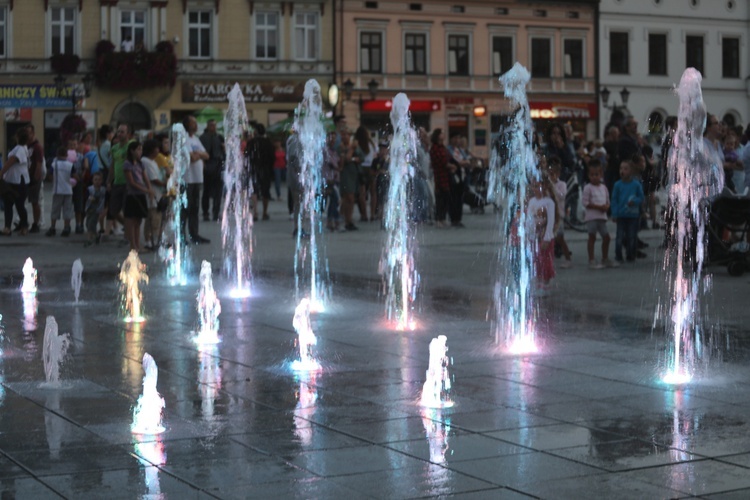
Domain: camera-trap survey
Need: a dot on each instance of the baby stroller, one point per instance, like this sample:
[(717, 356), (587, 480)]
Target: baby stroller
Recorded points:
[(728, 226)]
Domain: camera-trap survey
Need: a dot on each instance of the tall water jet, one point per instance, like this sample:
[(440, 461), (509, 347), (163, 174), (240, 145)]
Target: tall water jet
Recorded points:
[(305, 337), (694, 177), (29, 277), (237, 216), (147, 413), (132, 273), (75, 278), (310, 262), (53, 352), (509, 180), (398, 262), (209, 307), (176, 252), (437, 386)]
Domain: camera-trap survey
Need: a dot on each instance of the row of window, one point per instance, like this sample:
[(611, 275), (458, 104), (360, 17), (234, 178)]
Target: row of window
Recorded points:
[(502, 53), (64, 24), (695, 54)]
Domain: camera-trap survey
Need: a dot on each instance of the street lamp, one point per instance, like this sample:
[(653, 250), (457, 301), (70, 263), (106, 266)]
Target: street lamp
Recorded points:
[(618, 110), (75, 93)]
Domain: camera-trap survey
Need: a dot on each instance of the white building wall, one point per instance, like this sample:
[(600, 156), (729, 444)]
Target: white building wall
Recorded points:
[(677, 18)]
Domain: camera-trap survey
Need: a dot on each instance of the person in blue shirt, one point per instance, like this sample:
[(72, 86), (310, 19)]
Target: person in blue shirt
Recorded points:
[(627, 197)]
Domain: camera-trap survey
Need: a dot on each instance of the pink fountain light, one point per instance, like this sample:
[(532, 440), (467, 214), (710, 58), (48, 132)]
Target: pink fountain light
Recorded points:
[(29, 277)]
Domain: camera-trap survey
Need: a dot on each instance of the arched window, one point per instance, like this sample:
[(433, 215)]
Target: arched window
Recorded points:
[(730, 119), (135, 114), (655, 122)]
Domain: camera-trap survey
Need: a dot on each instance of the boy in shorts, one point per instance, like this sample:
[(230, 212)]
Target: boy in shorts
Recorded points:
[(596, 202)]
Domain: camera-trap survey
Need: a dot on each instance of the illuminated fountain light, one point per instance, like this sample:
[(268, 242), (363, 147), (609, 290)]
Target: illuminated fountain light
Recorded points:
[(75, 278), (29, 277), (694, 177), (310, 262), (237, 216), (175, 254), (132, 273), (437, 386), (305, 338), (509, 181), (209, 308), (147, 414), (398, 261), (53, 352)]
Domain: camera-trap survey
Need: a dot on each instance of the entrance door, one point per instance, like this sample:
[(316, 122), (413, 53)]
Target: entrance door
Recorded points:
[(10, 134)]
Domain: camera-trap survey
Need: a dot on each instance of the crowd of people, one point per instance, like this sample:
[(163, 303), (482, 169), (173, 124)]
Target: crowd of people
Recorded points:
[(110, 188)]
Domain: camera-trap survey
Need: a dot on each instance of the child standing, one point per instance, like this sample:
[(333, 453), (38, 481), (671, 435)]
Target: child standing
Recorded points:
[(596, 202), (540, 223), (64, 175), (95, 207), (627, 196), (561, 189)]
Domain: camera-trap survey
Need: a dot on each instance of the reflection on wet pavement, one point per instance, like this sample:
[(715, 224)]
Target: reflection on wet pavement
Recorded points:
[(585, 417)]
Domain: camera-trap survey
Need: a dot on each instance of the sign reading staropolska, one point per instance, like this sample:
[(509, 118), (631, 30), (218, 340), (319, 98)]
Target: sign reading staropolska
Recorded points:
[(261, 92), (568, 110)]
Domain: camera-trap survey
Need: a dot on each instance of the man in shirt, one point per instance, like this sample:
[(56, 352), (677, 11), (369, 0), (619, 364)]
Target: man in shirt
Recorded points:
[(116, 181), (36, 174), (212, 183), (194, 180)]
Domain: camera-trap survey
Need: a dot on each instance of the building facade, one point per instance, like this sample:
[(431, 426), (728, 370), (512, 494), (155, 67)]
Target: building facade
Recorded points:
[(270, 48), (646, 45), (447, 57)]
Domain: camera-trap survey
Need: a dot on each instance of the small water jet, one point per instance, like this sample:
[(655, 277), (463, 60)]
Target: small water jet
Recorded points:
[(209, 308), (132, 273), (305, 338), (147, 413), (437, 386), (75, 278), (308, 124), (176, 253), (29, 277), (509, 180), (209, 380), (237, 216), (30, 309), (694, 178), (437, 429), (53, 353), (398, 262), (151, 455), (304, 411)]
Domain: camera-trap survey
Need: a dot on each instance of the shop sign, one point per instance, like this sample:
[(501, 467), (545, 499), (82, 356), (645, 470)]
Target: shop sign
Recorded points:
[(567, 111), (34, 96), (415, 106), (260, 92)]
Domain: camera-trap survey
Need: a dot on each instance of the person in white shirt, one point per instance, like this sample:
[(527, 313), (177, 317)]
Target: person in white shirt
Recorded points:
[(63, 176), (152, 230), (15, 176), (194, 180)]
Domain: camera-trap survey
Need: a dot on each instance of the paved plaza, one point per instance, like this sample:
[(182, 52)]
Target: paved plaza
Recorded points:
[(587, 417)]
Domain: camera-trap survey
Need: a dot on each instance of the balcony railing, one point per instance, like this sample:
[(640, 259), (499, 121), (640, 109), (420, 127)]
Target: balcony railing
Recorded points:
[(200, 67)]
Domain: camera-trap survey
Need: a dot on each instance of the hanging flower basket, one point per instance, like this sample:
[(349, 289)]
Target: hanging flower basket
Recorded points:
[(65, 64), (136, 70)]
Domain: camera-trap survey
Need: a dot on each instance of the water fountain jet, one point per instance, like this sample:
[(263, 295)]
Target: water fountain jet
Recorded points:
[(437, 386), (29, 277), (509, 181), (132, 273), (398, 262), (147, 414), (237, 216), (209, 308), (305, 338), (53, 352), (176, 253), (694, 178), (310, 262), (75, 278)]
